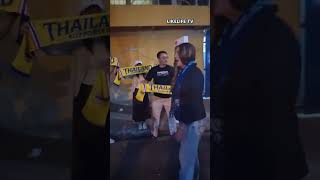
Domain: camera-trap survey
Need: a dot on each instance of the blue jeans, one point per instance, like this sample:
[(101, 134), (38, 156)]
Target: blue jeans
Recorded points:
[(188, 154)]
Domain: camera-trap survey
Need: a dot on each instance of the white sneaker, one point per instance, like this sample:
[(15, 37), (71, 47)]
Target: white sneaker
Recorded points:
[(140, 127), (144, 125), (112, 141)]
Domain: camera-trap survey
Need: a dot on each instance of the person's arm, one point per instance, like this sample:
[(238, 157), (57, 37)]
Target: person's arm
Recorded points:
[(191, 92), (150, 75)]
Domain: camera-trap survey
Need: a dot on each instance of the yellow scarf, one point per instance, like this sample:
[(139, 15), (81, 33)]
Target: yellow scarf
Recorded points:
[(57, 31), (151, 88), (129, 71), (97, 106), (114, 62), (14, 6), (22, 63)]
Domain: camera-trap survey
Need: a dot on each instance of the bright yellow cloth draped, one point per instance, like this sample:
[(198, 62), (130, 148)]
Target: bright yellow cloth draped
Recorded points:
[(129, 71), (44, 33), (97, 106), (151, 88)]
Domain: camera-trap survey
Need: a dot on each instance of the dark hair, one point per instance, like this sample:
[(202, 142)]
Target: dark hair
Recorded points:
[(242, 4), (92, 9), (88, 43), (161, 52), (186, 52)]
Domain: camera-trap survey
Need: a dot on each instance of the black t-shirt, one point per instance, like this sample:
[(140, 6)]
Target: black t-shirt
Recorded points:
[(161, 76)]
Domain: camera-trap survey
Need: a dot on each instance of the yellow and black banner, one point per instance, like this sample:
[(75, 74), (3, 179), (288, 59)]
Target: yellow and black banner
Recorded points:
[(56, 31), (43, 33), (152, 88), (114, 62), (97, 106), (14, 6), (129, 71)]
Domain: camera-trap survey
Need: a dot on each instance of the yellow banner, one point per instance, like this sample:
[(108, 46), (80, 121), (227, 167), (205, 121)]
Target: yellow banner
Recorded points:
[(97, 106), (114, 62), (14, 6), (152, 88), (56, 31), (44, 33), (129, 71)]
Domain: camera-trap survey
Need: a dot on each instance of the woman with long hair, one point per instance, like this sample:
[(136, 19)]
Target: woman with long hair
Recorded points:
[(188, 109)]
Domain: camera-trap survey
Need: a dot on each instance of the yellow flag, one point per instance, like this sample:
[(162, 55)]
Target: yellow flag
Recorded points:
[(44, 33), (114, 62), (60, 30), (129, 71), (22, 63), (97, 106), (151, 88)]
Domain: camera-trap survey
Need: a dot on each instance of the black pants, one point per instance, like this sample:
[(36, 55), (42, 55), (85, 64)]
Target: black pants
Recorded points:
[(89, 159)]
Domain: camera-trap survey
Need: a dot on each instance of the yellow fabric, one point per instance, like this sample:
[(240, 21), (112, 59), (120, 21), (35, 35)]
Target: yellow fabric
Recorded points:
[(21, 62), (151, 88), (117, 79), (141, 93), (60, 30), (44, 33), (129, 71), (13, 6), (114, 62), (97, 106)]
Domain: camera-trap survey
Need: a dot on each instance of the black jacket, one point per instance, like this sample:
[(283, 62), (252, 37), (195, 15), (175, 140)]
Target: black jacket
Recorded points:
[(255, 88), (191, 99)]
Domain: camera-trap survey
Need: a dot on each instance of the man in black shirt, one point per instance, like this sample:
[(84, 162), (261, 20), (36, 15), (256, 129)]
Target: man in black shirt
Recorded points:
[(161, 74)]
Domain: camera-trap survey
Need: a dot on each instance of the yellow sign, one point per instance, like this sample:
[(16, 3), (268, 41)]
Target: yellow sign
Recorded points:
[(44, 33), (151, 88), (56, 31), (129, 71)]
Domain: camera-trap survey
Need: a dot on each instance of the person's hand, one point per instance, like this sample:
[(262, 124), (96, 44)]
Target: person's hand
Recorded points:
[(180, 132)]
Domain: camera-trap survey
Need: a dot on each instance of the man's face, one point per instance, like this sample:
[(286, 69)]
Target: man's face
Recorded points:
[(163, 59)]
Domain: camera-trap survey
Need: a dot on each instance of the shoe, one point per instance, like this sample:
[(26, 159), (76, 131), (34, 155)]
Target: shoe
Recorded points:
[(140, 127), (144, 125), (112, 141)]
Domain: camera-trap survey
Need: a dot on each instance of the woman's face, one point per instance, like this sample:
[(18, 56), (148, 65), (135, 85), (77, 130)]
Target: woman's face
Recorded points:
[(222, 8), (177, 59)]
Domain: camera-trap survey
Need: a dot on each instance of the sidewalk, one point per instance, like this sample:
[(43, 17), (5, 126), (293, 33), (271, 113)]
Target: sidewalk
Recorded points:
[(153, 159), (52, 163), (138, 156)]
